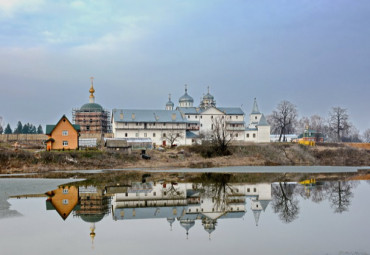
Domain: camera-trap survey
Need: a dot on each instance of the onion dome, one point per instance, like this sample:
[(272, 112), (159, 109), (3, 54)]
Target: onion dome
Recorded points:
[(208, 96), (186, 98), (169, 104)]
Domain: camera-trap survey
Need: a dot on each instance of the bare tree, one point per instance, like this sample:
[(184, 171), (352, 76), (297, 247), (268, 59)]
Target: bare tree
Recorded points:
[(338, 123), (366, 136), (340, 194), (173, 136), (283, 119), (284, 202), (221, 136)]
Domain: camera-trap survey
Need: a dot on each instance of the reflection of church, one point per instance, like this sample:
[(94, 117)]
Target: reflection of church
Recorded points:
[(189, 202), (185, 203)]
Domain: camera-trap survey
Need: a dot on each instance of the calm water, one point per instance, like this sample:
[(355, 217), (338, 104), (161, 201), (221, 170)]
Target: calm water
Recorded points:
[(212, 216)]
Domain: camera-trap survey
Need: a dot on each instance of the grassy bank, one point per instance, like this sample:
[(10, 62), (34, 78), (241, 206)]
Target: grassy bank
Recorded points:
[(271, 154)]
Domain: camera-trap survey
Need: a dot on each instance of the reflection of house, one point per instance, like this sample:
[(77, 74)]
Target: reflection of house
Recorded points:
[(62, 136), (63, 200), (188, 202)]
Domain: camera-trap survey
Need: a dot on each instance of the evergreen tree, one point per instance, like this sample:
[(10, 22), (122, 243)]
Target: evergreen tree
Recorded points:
[(18, 130), (8, 130), (32, 129), (39, 130), (26, 128)]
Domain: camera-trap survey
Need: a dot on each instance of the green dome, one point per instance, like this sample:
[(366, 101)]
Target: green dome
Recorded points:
[(92, 218), (92, 107)]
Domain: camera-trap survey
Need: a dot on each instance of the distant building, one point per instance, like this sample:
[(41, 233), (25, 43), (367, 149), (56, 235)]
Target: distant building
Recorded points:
[(62, 136), (190, 123), (91, 117), (311, 135)]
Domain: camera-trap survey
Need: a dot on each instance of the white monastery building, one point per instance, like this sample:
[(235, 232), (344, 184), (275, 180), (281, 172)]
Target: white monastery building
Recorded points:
[(188, 124)]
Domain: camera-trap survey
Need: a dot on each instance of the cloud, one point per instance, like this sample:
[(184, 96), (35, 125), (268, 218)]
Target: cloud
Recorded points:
[(8, 8)]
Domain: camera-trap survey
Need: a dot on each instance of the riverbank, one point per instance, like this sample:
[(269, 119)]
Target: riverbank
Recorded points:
[(271, 154)]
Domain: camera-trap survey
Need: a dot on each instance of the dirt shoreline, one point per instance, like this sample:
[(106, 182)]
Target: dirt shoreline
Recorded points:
[(272, 154)]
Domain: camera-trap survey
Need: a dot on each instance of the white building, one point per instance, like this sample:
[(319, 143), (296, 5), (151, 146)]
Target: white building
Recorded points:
[(189, 123)]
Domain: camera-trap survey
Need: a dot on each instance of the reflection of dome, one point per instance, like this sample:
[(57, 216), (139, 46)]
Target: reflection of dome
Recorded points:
[(92, 218), (209, 225), (91, 107)]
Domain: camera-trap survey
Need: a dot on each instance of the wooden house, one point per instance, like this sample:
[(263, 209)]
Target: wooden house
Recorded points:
[(62, 136)]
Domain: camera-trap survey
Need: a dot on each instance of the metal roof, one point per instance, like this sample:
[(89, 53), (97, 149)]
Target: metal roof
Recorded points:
[(189, 110), (231, 110), (255, 109), (157, 116), (263, 121)]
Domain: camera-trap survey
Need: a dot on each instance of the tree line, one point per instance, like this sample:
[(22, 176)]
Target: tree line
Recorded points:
[(336, 127), (27, 128)]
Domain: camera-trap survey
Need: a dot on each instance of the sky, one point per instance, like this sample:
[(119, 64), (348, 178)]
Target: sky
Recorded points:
[(315, 54)]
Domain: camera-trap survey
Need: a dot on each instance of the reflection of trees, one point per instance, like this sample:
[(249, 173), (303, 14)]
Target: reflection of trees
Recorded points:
[(318, 194), (284, 202), (216, 186), (339, 195)]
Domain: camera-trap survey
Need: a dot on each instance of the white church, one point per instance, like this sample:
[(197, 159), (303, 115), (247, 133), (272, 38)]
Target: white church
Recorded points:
[(188, 124)]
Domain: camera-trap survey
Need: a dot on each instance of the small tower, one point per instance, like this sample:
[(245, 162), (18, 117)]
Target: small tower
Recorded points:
[(186, 100), (170, 104), (255, 115)]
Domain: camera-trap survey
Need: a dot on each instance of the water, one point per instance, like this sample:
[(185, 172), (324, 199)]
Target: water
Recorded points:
[(213, 214)]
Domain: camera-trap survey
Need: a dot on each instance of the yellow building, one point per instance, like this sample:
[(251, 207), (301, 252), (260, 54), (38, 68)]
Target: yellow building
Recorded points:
[(62, 136)]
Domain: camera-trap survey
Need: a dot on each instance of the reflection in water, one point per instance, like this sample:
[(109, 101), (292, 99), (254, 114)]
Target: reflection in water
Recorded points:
[(211, 199)]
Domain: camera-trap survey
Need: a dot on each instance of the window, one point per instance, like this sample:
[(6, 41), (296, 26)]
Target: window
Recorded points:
[(136, 134), (255, 117), (65, 201), (236, 117), (201, 117), (212, 117), (65, 191), (164, 134), (153, 134), (248, 190), (247, 135), (255, 190), (254, 135), (64, 133), (65, 143), (137, 123), (188, 116), (154, 193), (126, 124), (91, 120), (236, 135), (164, 124), (145, 135), (196, 116), (87, 127), (125, 134)]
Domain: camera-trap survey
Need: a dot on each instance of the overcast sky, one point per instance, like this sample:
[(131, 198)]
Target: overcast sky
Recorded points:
[(315, 54)]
